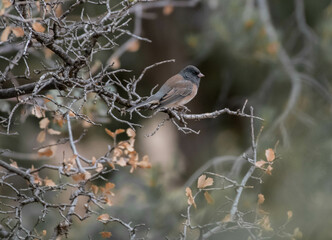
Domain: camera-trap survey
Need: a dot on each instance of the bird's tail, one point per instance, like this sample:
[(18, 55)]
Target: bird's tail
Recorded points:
[(144, 103)]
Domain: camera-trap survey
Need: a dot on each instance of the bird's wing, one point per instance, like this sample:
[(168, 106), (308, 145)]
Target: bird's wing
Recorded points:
[(180, 89)]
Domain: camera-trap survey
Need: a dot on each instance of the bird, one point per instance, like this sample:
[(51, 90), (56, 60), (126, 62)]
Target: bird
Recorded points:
[(176, 91)]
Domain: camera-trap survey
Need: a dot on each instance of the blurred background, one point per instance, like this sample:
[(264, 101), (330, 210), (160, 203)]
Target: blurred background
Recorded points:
[(283, 68)]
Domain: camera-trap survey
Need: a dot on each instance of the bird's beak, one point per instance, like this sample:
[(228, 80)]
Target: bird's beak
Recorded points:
[(201, 75)]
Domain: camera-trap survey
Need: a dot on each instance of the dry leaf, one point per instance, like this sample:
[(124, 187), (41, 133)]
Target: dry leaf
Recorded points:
[(48, 54), (226, 219), (269, 154), (53, 132), (121, 162), (103, 218), (58, 11), (269, 170), (261, 199), (191, 200), (118, 131), (99, 167), (93, 160), (109, 186), (109, 132), (41, 136), (6, 3), (94, 189), (249, 23), (105, 234), (289, 214), (145, 163), (13, 163), (208, 198), (38, 112), (87, 175), (134, 46), (18, 31), (47, 152), (44, 232), (38, 27), (260, 163), (204, 182), (297, 234), (272, 48), (5, 34), (44, 123), (49, 182), (167, 10), (265, 223), (131, 133)]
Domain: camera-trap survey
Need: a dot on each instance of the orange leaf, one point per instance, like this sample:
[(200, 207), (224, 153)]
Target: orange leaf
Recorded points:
[(109, 186), (53, 132), (6, 3), (93, 160), (109, 132), (226, 219), (167, 10), (189, 194), (47, 152), (18, 31), (260, 164), (208, 198), (134, 46), (49, 182), (131, 133), (121, 162), (204, 182), (38, 112), (272, 48), (44, 232), (99, 167), (58, 11), (5, 34), (261, 199), (41, 136), (145, 163), (269, 154), (103, 218), (105, 234), (94, 189), (44, 123), (38, 27), (118, 131), (269, 170), (48, 53)]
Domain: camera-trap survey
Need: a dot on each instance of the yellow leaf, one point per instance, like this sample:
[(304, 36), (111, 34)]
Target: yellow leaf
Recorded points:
[(131, 133), (53, 132), (204, 182), (208, 198), (47, 152), (44, 123), (103, 218), (18, 31), (38, 27), (269, 154), (105, 234), (191, 200), (41, 136), (167, 10), (5, 34), (261, 198)]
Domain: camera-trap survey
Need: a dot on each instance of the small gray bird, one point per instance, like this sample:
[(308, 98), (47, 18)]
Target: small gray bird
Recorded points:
[(176, 91)]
